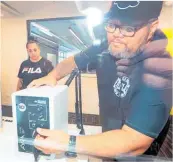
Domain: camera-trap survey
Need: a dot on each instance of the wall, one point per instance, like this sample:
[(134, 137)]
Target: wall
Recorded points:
[(89, 94), (166, 17), (13, 39)]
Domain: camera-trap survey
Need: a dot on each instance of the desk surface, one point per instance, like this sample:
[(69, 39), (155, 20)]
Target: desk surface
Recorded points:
[(8, 151), (8, 154)]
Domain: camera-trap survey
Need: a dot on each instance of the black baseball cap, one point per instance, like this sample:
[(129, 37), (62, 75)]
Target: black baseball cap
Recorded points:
[(134, 11)]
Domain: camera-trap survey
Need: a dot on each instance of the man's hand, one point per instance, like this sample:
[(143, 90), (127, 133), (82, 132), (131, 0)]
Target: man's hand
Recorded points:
[(47, 80), (51, 141)]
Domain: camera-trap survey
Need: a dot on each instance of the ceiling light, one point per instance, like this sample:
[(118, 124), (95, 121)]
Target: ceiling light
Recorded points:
[(94, 16), (74, 34), (36, 35), (42, 29)]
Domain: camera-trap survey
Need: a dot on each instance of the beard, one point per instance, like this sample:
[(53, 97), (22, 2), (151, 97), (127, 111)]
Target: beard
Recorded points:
[(123, 54)]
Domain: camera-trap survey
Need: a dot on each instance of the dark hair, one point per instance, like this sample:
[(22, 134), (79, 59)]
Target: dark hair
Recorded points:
[(32, 41)]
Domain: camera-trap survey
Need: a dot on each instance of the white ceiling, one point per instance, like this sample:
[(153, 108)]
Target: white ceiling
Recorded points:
[(27, 8)]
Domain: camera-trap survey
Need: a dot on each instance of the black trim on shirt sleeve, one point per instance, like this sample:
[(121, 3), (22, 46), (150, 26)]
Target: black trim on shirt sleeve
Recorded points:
[(49, 66), (81, 61)]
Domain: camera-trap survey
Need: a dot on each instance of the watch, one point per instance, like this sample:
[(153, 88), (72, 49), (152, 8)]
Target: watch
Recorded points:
[(71, 147)]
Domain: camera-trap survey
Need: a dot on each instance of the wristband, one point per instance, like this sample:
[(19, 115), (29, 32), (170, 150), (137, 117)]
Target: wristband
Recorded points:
[(71, 147)]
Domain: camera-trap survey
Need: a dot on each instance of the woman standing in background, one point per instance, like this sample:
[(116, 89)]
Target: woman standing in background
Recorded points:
[(34, 67)]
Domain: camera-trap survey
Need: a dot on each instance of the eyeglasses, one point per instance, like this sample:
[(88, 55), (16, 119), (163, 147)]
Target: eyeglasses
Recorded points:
[(127, 31)]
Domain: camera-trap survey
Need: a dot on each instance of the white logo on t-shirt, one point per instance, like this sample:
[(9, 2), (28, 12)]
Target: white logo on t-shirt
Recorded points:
[(31, 70), (121, 86)]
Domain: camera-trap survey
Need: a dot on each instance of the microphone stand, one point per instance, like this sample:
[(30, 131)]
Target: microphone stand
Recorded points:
[(78, 95)]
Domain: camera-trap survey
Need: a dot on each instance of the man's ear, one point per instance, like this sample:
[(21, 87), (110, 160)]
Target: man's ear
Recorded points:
[(153, 27)]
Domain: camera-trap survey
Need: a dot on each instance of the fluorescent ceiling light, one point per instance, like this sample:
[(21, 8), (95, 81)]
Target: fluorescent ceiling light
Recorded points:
[(74, 34), (46, 31), (42, 38), (42, 29)]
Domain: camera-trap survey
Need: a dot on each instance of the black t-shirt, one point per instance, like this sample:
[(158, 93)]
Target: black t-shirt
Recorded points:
[(30, 71), (137, 91)]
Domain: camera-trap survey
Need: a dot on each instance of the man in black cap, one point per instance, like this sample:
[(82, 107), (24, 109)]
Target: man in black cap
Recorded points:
[(134, 77)]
